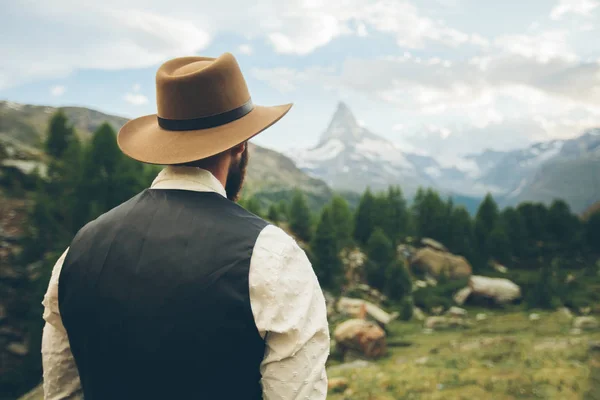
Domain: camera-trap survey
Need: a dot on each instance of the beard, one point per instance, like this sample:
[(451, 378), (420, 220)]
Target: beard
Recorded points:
[(236, 176)]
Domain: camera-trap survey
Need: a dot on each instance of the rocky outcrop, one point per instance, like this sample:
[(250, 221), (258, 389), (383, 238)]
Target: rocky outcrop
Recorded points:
[(364, 337), (355, 307), (500, 290), (586, 323), (435, 262)]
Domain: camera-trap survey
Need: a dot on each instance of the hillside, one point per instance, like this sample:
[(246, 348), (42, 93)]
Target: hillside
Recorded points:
[(271, 175)]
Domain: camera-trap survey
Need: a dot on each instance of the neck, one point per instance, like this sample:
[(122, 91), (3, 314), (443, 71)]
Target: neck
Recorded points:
[(219, 173)]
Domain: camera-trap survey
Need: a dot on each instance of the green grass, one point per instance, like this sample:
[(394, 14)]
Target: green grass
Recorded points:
[(506, 356)]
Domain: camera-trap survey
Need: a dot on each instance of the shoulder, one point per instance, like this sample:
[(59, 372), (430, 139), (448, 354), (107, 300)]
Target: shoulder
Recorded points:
[(277, 242), (279, 261)]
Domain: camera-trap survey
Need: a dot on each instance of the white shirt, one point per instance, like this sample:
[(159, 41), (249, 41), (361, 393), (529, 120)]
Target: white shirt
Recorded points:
[(286, 300)]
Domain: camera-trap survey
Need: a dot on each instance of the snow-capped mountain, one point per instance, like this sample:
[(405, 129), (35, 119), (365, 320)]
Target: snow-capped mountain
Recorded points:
[(350, 157)]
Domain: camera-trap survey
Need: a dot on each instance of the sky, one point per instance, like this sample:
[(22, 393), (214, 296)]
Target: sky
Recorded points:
[(437, 77)]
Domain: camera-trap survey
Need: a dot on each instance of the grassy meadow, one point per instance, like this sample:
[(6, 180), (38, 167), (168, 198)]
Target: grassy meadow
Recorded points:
[(507, 356)]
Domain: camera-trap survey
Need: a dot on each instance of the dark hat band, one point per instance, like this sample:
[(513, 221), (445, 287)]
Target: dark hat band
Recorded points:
[(210, 121)]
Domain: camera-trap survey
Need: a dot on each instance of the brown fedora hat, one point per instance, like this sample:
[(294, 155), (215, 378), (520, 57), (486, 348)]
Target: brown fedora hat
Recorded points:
[(204, 108)]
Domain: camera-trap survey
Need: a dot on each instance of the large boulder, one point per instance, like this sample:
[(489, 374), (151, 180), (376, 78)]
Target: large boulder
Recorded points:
[(434, 244), (362, 336), (586, 323), (355, 307), (436, 262), (500, 290)]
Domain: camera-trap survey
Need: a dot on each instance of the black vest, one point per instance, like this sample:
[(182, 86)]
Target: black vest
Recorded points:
[(154, 297)]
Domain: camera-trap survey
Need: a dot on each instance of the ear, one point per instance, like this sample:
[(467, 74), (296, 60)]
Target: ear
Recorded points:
[(239, 149)]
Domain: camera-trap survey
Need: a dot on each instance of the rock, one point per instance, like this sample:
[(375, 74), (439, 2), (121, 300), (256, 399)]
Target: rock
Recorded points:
[(585, 310), (420, 284), (10, 333), (364, 336), (337, 385), (430, 281), (365, 292), (422, 360), (357, 364), (457, 312), (352, 307), (405, 251), (501, 290), (586, 323), (441, 323), (353, 261), (434, 244), (437, 310), (435, 263), (481, 317), (534, 317), (499, 267), (566, 312), (418, 314), (18, 349), (462, 295)]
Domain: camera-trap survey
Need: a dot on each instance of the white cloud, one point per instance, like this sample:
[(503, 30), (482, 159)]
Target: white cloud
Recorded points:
[(362, 30), (113, 34), (245, 49), (578, 7), (136, 98), (58, 90), (542, 47), (288, 79)]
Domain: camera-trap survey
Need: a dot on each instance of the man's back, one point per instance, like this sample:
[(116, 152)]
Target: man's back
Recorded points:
[(161, 284)]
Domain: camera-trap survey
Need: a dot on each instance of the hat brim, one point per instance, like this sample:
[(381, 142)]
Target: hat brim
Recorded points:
[(144, 140)]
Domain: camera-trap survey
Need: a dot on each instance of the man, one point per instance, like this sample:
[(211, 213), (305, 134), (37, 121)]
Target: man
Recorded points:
[(179, 293)]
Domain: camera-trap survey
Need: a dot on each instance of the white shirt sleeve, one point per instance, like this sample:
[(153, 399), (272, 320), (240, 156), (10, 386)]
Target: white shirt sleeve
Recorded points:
[(61, 378), (290, 313)]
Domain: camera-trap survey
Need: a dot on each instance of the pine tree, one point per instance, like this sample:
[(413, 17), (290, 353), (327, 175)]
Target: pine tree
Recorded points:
[(486, 220), (110, 177), (592, 232), (380, 253), (364, 218), (535, 219), (398, 282), (396, 214), (430, 215), (300, 217), (516, 232), (342, 221), (253, 205), (564, 228), (325, 250), (461, 239), (273, 213), (498, 244), (59, 136)]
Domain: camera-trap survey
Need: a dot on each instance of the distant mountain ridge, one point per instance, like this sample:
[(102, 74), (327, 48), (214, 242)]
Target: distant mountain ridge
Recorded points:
[(271, 175), (350, 157)]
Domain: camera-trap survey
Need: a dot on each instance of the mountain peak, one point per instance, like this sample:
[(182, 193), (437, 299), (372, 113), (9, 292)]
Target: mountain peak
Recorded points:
[(343, 126)]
